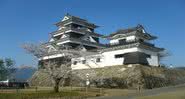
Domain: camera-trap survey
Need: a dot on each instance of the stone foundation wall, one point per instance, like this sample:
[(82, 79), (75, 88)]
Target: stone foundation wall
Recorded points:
[(124, 76)]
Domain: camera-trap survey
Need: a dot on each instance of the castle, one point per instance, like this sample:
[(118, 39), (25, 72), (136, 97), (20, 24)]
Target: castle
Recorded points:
[(126, 46)]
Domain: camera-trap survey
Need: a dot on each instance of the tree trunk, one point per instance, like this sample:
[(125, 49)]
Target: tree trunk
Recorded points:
[(56, 85)]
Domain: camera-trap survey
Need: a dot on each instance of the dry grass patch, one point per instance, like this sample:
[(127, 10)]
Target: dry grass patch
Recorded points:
[(118, 92)]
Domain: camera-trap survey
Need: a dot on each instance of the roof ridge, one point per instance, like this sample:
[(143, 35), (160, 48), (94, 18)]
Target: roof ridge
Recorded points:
[(130, 29), (72, 16)]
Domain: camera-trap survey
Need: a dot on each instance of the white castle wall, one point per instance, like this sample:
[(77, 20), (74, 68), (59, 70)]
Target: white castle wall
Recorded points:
[(128, 39), (108, 59)]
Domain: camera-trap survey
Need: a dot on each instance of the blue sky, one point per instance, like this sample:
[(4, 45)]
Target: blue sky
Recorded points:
[(23, 21)]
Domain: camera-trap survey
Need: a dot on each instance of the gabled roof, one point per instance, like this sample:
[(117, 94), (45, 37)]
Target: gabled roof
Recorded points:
[(139, 28), (138, 31), (77, 20), (74, 17), (142, 45), (83, 31)]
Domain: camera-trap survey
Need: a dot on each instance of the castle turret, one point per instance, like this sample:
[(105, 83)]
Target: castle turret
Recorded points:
[(136, 43), (134, 34), (76, 33)]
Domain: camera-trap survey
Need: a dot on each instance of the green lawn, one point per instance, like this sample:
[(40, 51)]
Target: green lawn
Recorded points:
[(46, 92), (39, 94), (80, 92), (180, 94)]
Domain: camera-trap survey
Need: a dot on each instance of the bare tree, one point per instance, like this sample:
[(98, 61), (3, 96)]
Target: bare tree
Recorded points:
[(58, 71), (59, 68)]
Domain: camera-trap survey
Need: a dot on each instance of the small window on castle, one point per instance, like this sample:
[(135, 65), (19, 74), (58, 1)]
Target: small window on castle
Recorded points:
[(75, 62), (118, 56), (122, 41), (148, 56), (98, 60), (83, 61)]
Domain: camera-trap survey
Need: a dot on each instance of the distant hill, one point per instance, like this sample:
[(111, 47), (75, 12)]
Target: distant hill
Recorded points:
[(23, 73)]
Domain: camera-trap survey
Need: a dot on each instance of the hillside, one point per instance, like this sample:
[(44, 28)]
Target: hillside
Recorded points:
[(23, 73)]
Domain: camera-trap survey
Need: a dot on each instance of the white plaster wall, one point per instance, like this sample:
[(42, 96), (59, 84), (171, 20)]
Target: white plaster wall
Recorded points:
[(109, 59), (128, 39), (90, 63), (63, 42), (61, 33), (115, 41), (51, 56), (153, 60)]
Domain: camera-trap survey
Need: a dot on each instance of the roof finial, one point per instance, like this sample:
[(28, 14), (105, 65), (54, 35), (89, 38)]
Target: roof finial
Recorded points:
[(139, 25)]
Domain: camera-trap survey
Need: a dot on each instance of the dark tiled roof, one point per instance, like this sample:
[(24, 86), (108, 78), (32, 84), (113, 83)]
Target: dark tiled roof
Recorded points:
[(124, 31), (95, 34), (144, 45), (138, 31), (75, 17), (76, 20), (76, 31)]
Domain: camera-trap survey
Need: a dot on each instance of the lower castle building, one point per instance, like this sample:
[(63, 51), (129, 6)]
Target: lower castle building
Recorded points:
[(126, 46)]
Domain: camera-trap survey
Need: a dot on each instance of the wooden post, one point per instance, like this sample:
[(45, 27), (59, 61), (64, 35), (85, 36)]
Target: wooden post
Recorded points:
[(36, 89), (86, 90), (71, 82)]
